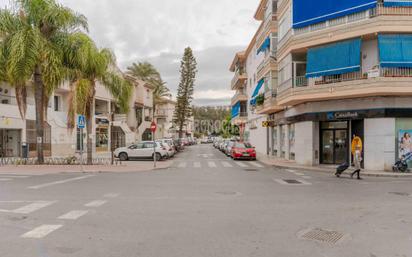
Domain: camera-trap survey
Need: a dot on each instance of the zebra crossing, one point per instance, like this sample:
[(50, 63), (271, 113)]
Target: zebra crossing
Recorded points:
[(217, 164), (7, 177)]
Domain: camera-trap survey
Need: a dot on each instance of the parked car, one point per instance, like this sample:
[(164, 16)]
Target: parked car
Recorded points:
[(179, 145), (168, 143), (243, 151), (204, 140), (228, 149), (142, 150)]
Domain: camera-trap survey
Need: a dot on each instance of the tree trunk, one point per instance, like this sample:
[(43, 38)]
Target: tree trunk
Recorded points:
[(39, 105), (89, 127)]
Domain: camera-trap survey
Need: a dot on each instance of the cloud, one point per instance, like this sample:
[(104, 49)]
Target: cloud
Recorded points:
[(158, 31)]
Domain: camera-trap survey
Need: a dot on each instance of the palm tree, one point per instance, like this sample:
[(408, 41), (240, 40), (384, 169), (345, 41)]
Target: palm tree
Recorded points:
[(34, 35), (91, 65)]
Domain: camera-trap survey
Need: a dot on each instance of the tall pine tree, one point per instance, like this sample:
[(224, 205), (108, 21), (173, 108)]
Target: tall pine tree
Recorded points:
[(188, 72)]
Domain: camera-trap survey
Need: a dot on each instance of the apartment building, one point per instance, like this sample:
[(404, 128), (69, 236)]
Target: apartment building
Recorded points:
[(344, 70), (255, 79), (110, 128)]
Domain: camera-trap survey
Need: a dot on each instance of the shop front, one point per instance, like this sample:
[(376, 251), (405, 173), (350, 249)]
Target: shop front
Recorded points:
[(102, 135), (10, 142)]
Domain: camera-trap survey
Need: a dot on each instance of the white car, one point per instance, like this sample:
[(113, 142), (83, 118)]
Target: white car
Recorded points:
[(142, 150), (168, 143)]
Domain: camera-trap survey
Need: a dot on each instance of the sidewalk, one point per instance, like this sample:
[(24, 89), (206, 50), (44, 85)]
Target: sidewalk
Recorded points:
[(330, 169), (132, 166)]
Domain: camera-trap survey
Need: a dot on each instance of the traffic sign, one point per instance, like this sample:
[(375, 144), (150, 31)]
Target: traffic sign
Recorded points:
[(81, 121), (153, 127)]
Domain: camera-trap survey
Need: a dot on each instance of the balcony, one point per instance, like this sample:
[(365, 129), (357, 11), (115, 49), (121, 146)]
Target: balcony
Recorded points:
[(269, 26), (122, 118), (240, 96), (383, 82), (239, 80), (267, 65), (270, 104), (161, 113), (241, 118), (370, 22)]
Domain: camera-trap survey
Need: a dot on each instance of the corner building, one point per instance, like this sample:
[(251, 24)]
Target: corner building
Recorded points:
[(344, 68)]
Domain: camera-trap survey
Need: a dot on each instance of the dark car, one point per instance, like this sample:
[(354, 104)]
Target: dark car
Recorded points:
[(243, 151)]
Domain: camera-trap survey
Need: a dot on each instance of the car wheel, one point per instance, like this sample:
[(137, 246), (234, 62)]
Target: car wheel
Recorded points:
[(123, 156), (158, 157)]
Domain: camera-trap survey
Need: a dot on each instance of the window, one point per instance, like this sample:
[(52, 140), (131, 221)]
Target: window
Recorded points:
[(148, 145), (32, 138), (57, 103)]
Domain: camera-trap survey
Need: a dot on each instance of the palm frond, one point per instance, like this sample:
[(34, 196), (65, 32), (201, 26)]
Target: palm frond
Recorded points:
[(120, 88)]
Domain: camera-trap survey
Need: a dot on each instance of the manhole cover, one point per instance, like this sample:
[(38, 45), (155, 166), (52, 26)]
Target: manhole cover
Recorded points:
[(400, 193), (322, 235), (251, 170), (292, 181)]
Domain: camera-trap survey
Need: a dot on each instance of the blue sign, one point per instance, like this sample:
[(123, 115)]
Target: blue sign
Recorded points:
[(81, 121)]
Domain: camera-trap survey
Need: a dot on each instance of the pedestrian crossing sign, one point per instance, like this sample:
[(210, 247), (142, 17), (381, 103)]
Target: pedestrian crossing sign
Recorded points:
[(81, 121)]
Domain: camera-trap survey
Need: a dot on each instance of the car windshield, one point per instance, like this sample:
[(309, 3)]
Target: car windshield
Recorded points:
[(243, 145)]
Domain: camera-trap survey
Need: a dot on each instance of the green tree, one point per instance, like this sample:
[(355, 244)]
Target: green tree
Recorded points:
[(34, 35), (185, 91), (91, 65)]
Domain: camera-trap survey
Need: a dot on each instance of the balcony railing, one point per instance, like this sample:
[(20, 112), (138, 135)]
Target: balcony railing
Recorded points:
[(238, 95), (300, 81), (379, 10), (337, 78), (238, 75), (396, 72), (161, 112)]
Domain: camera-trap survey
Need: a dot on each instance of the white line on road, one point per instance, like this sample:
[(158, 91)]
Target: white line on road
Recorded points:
[(212, 164), (302, 182), (5, 179), (60, 182), (13, 176), (256, 164), (227, 165), (182, 165), (41, 231), (96, 203), (32, 207), (241, 164), (299, 174), (196, 164), (111, 195), (291, 171), (73, 215), (307, 177)]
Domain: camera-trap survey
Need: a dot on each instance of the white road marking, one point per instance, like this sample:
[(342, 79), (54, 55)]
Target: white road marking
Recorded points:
[(60, 182), (291, 171), (96, 203), (196, 164), (182, 165), (32, 207), (111, 195), (299, 174), (256, 164), (241, 164), (13, 176), (302, 182), (73, 215), (5, 179), (307, 177), (41, 231), (212, 164), (227, 165)]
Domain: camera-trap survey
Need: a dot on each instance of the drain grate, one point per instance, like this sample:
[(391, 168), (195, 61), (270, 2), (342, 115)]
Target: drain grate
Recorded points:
[(324, 236), (292, 181), (400, 193)]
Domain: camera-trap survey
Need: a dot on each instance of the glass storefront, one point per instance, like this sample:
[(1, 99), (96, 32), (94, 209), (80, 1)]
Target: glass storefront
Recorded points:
[(334, 142), (102, 139)]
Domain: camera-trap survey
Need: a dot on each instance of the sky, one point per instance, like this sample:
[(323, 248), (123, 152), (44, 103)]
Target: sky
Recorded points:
[(158, 31)]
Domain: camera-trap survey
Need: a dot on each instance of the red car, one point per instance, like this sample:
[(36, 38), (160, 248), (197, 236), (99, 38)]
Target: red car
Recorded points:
[(243, 151)]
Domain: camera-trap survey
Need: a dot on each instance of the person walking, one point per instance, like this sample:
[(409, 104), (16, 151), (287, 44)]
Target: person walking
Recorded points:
[(357, 159)]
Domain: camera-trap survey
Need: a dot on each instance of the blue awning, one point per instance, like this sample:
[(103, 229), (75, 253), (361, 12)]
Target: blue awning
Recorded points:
[(236, 110), (308, 12), (264, 46), (337, 58), (390, 3), (395, 50), (259, 87)]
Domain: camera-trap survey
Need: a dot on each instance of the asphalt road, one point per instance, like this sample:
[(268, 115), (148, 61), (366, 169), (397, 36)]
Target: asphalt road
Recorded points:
[(204, 205)]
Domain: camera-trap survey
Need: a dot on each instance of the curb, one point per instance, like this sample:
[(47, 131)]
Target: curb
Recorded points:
[(365, 174)]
